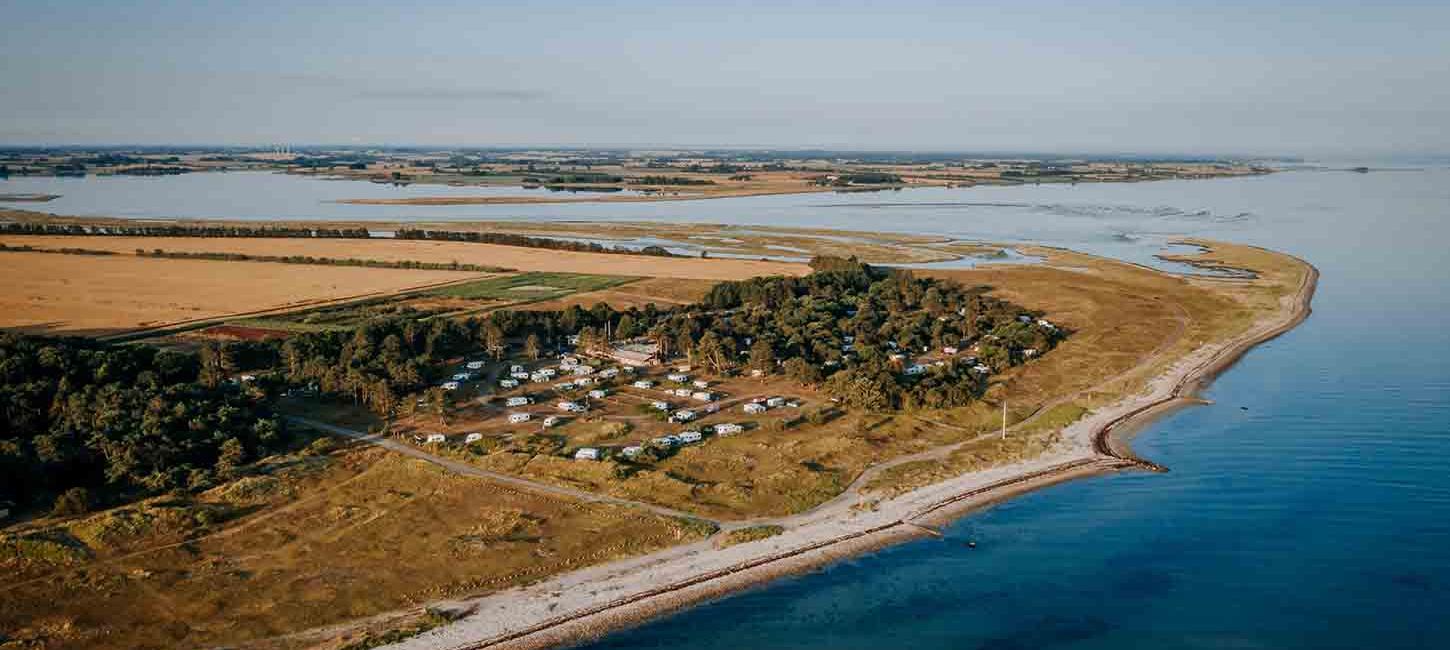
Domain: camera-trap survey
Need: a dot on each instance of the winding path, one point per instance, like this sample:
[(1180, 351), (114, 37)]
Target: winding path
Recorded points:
[(466, 469)]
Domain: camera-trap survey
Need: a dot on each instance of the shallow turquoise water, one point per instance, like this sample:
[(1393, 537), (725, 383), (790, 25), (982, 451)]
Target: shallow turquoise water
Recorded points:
[(1309, 507)]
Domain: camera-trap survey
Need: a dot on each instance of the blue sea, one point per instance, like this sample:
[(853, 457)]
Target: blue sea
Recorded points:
[(1307, 507)]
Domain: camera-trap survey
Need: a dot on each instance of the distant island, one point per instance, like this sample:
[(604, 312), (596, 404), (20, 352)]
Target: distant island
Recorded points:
[(607, 175)]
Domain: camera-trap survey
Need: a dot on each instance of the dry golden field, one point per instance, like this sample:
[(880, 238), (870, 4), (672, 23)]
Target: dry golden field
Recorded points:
[(106, 294)]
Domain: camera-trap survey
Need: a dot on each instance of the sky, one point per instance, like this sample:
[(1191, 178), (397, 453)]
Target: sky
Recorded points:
[(1252, 78)]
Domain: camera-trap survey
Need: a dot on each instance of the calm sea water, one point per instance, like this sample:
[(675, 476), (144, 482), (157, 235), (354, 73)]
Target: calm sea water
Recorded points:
[(1309, 507)]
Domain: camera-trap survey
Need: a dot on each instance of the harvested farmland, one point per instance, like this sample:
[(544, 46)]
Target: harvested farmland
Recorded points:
[(99, 295)]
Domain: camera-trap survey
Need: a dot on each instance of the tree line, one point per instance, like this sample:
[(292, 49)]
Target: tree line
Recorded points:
[(510, 239), (177, 230), (327, 261)]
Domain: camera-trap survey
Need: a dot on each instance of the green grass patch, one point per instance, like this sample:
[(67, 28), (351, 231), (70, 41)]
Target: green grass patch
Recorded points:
[(531, 286), (750, 534)]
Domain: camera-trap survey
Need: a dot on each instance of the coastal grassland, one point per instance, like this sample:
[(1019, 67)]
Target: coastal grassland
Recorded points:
[(318, 540), (441, 252), (1129, 324), (98, 295)]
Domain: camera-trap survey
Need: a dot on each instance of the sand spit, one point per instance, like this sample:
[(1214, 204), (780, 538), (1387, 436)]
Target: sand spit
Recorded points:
[(594, 601)]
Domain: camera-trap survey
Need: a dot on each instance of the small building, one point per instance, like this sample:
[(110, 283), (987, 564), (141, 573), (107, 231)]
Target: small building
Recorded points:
[(516, 368), (450, 385), (982, 369), (775, 402), (632, 451), (586, 453), (896, 356), (915, 369), (1045, 324), (548, 372), (645, 384), (1029, 352), (571, 407), (689, 437), (567, 385), (684, 415), (551, 421), (474, 365), (701, 384), (757, 373), (636, 354), (598, 393), (703, 396), (462, 376), (754, 409), (508, 383), (540, 377), (472, 438), (609, 373), (728, 429), (665, 441), (572, 339), (948, 350), (660, 405), (518, 418), (581, 370), (518, 401), (678, 377), (435, 438), (246, 379), (684, 368), (1024, 318), (681, 392), (584, 381), (568, 362), (712, 408), (521, 375)]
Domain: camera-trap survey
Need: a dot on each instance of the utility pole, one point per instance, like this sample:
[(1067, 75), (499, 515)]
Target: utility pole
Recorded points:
[(1004, 418)]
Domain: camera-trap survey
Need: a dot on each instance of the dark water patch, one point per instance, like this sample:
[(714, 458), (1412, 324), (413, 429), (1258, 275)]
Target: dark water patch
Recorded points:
[(1049, 632)]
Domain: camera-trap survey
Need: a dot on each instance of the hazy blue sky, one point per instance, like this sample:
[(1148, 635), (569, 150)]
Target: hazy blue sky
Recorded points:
[(1253, 77)]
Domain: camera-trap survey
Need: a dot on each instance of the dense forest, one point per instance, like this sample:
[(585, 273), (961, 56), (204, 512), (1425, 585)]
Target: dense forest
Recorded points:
[(88, 423), (848, 327)]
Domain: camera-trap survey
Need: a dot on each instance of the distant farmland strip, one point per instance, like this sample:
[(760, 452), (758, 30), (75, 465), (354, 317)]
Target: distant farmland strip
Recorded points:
[(412, 265)]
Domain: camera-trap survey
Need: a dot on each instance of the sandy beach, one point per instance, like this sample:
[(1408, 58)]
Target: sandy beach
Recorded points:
[(594, 601)]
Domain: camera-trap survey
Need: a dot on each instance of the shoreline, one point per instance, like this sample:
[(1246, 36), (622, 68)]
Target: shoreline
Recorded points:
[(596, 601)]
